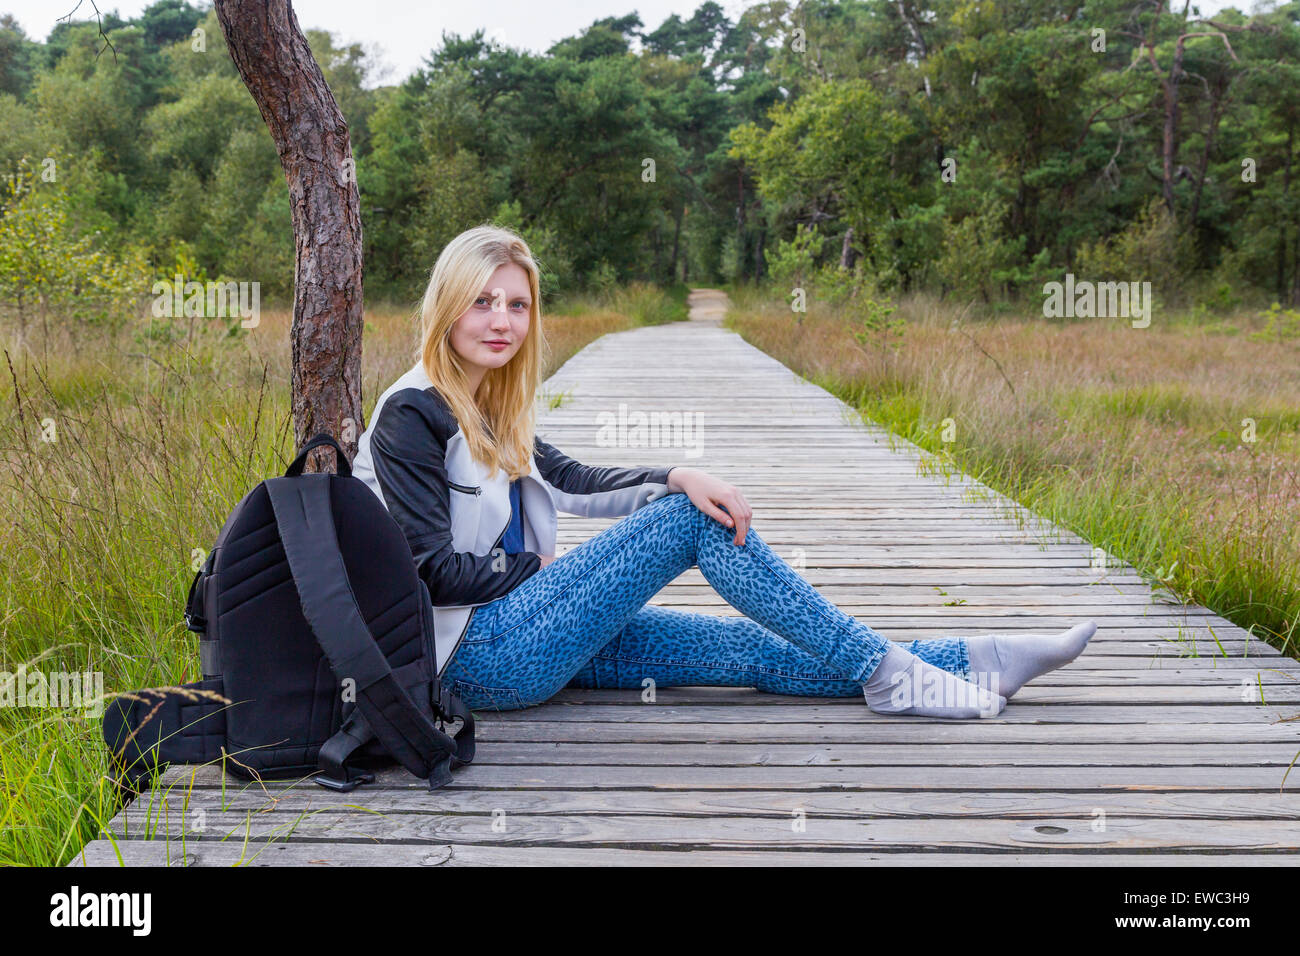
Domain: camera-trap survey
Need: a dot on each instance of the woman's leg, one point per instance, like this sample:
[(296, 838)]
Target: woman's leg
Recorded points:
[(685, 649), (527, 645)]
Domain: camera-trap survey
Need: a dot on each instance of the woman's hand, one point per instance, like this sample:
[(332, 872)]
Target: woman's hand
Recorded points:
[(709, 493), (546, 559)]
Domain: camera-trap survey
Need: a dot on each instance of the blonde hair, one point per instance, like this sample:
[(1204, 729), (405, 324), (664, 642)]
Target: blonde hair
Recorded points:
[(499, 424)]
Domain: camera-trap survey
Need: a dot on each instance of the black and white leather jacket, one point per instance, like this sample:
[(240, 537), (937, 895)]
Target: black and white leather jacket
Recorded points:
[(414, 457)]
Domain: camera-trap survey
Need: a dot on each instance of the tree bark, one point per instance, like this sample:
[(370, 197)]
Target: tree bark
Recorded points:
[(311, 136), (1169, 90), (740, 219), (1217, 108), (1282, 229), (909, 20), (677, 237)]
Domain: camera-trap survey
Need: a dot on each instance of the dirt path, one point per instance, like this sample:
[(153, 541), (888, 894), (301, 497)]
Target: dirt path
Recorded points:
[(708, 306)]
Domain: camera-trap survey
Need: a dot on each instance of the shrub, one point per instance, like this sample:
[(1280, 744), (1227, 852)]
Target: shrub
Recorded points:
[(977, 260), (1151, 248), (793, 263)]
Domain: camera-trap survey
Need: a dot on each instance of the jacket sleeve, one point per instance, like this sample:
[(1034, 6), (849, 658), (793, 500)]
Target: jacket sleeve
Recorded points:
[(408, 448), (594, 492)]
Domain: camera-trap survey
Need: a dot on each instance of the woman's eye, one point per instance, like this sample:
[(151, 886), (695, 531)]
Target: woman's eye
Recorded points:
[(486, 301)]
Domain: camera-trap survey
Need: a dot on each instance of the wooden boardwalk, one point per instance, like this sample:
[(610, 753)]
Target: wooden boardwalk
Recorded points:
[(1152, 748)]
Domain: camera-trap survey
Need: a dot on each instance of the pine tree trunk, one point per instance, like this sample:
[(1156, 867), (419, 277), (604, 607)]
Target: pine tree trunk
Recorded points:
[(848, 255), (677, 238), (311, 136)]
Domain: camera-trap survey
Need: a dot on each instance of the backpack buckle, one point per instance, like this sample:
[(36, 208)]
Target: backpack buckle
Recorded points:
[(442, 705), (350, 783)]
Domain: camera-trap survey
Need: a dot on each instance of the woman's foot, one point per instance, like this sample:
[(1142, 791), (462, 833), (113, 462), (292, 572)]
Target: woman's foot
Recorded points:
[(1006, 662), (902, 683)]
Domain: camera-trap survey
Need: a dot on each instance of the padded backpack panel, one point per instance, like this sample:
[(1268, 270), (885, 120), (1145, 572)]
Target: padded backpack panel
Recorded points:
[(286, 699)]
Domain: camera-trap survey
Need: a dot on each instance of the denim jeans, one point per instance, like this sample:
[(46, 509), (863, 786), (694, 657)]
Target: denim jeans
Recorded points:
[(583, 621)]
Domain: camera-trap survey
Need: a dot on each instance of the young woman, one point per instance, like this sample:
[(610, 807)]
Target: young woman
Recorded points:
[(451, 452)]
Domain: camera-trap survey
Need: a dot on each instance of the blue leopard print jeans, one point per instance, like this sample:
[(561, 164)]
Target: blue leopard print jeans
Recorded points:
[(583, 621)]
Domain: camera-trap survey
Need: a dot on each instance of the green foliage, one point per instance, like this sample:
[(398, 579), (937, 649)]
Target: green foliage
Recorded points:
[(1151, 249), (604, 278), (18, 57), (1280, 325), (646, 304), (693, 150), (793, 261), (24, 136), (553, 261), (869, 314), (174, 327), (49, 265), (1218, 295), (978, 259), (841, 141)]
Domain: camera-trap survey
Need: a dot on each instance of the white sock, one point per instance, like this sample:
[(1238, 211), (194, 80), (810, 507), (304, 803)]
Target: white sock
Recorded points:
[(902, 683), (1016, 659)]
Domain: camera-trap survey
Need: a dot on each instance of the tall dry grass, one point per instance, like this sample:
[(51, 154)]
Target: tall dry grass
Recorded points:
[(1137, 439)]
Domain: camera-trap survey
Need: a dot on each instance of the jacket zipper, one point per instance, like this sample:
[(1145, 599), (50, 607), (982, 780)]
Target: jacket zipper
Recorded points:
[(469, 490)]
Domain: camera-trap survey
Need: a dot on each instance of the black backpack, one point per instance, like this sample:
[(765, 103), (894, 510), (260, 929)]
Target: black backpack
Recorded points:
[(315, 626)]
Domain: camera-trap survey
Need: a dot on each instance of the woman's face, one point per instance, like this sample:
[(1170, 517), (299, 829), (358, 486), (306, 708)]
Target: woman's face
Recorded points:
[(493, 328)]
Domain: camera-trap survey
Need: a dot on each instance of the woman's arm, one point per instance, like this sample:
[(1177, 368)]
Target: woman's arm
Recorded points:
[(408, 447), (598, 492)]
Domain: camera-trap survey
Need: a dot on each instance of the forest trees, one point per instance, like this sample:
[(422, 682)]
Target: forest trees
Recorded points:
[(916, 135)]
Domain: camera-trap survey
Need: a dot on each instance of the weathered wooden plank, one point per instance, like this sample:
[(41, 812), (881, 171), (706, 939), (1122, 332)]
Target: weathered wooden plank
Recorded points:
[(844, 597), (932, 572), (931, 595), (1079, 675), (881, 804), (1032, 693), (1257, 674), (817, 711), (919, 737), (206, 853), (819, 572), (1024, 619), (810, 832), (1177, 640), (1165, 754), (814, 777)]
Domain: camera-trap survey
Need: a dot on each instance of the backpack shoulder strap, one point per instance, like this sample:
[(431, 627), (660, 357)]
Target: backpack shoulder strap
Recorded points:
[(306, 526)]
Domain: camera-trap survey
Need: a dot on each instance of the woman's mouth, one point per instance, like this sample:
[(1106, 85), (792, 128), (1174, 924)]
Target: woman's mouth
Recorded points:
[(496, 345)]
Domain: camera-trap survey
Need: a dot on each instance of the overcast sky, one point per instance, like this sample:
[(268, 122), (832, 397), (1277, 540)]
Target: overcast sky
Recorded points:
[(403, 32)]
